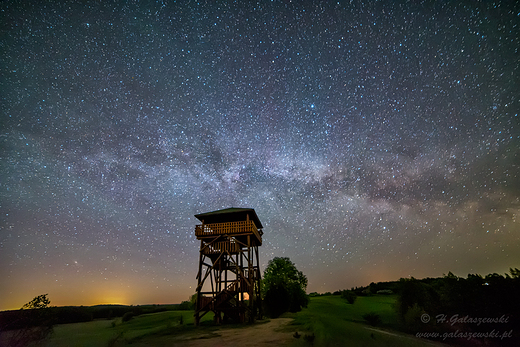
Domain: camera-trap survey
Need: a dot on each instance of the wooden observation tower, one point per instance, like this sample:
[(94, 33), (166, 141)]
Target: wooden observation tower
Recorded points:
[(228, 280)]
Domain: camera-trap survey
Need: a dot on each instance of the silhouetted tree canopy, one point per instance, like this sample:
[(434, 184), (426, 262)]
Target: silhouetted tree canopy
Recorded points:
[(33, 324), (283, 287), (41, 301), (492, 296)]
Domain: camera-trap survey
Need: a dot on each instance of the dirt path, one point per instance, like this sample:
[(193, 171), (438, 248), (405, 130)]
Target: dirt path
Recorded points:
[(432, 343), (263, 334)]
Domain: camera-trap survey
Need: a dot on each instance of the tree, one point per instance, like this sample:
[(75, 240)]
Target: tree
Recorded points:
[(41, 301), (515, 273), (193, 300), (417, 297), (283, 287), (34, 323)]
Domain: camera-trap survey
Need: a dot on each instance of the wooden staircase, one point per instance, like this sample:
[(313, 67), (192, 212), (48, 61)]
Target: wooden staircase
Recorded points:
[(224, 302), (210, 304)]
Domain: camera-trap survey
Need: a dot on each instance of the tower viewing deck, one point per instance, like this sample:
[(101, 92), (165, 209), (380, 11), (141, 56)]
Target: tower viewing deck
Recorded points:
[(237, 229)]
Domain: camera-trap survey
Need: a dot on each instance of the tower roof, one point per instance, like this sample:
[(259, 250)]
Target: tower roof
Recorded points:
[(232, 214)]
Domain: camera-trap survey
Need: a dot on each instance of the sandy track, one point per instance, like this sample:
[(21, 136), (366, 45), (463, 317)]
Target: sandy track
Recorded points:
[(260, 334)]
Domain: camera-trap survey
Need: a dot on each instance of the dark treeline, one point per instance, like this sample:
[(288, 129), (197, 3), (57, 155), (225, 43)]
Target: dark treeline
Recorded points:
[(463, 309), (454, 310), (17, 319)]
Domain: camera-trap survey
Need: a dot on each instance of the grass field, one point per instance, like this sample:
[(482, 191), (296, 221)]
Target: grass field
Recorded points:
[(106, 332), (331, 320), (334, 322)]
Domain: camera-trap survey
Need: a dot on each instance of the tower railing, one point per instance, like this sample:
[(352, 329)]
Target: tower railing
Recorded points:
[(229, 228), (220, 247)]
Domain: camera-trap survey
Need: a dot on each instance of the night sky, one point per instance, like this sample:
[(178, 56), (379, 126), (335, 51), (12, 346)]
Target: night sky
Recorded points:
[(375, 141)]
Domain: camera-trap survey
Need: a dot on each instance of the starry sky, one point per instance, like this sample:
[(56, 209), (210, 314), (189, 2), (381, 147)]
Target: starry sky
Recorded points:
[(375, 140)]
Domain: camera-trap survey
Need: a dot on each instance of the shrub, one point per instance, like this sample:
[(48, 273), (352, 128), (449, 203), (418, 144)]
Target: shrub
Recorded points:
[(349, 295), (372, 318), (276, 300), (127, 316), (412, 318), (309, 338), (186, 306)]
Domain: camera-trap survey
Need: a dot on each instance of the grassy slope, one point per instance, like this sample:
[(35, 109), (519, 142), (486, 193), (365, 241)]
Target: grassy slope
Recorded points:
[(101, 332), (96, 333), (334, 322)]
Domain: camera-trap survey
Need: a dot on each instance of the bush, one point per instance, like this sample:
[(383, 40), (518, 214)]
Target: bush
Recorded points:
[(277, 300), (349, 295), (186, 306), (127, 316), (416, 293), (372, 318), (309, 338), (412, 318)]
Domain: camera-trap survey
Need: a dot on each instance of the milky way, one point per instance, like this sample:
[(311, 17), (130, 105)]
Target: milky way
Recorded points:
[(375, 141)]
